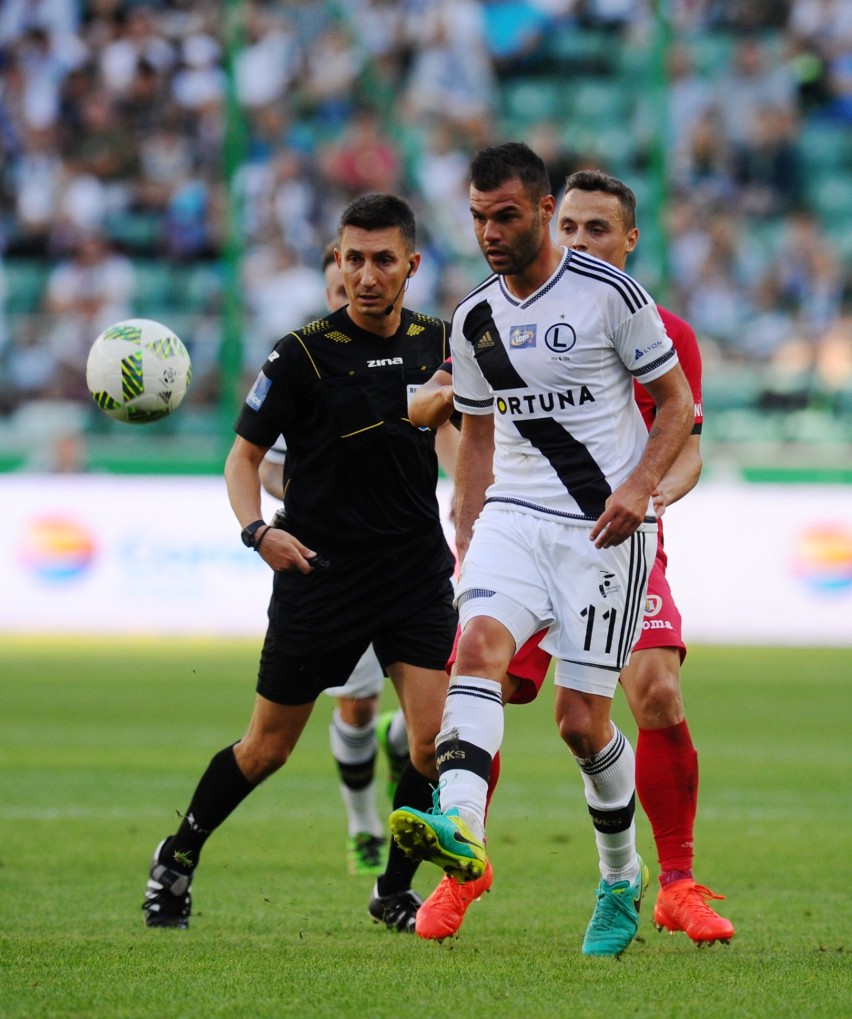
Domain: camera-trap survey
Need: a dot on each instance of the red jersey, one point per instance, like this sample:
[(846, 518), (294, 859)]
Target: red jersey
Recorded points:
[(683, 338)]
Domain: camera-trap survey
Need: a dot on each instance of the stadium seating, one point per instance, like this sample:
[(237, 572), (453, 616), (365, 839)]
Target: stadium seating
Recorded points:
[(591, 84), (25, 282)]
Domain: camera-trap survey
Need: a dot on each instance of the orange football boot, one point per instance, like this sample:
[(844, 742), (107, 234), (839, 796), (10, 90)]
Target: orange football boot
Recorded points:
[(682, 906), (442, 913)]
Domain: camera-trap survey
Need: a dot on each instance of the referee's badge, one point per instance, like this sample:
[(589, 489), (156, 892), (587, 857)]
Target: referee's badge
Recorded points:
[(522, 336), (411, 389)]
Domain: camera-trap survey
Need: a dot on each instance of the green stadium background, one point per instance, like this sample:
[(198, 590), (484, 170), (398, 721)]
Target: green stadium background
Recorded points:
[(277, 114)]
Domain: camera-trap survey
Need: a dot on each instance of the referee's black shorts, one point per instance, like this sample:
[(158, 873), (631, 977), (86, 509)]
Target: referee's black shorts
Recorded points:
[(397, 597)]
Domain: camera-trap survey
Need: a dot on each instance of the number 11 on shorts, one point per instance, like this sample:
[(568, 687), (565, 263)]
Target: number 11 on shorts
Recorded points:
[(609, 617)]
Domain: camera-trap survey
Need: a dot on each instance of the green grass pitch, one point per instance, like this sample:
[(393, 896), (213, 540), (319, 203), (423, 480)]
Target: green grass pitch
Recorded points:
[(101, 744)]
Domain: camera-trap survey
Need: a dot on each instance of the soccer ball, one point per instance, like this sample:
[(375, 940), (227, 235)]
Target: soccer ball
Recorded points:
[(138, 371)]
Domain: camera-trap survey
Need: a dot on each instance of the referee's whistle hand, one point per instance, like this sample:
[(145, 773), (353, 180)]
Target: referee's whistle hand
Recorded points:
[(282, 551)]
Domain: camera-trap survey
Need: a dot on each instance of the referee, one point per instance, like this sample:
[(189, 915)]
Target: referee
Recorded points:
[(363, 559)]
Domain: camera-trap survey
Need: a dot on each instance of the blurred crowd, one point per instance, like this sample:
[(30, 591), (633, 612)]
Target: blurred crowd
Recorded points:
[(120, 133)]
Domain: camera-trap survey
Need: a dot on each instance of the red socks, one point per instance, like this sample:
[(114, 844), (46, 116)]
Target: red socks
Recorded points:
[(667, 786)]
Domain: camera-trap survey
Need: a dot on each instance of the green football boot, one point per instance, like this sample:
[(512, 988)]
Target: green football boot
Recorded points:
[(615, 920), (441, 838)]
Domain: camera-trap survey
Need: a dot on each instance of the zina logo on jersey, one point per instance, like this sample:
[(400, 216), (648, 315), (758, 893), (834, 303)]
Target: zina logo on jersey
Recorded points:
[(382, 362)]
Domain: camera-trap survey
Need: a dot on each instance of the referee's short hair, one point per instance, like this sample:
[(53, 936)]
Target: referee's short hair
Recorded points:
[(327, 255), (494, 166), (379, 212), (597, 180)]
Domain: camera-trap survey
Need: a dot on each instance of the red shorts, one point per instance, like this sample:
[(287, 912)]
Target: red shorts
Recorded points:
[(661, 627), (529, 665)]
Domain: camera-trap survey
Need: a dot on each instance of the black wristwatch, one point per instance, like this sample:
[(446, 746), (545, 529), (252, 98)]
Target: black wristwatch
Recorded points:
[(248, 533)]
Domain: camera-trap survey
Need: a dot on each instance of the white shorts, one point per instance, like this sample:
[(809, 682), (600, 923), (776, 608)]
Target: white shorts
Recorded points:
[(367, 679), (533, 573)]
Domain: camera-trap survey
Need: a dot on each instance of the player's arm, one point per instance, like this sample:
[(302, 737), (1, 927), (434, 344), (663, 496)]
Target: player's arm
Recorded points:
[(432, 404), (474, 473), (680, 479), (446, 446), (280, 549), (684, 473), (627, 505), (271, 477)]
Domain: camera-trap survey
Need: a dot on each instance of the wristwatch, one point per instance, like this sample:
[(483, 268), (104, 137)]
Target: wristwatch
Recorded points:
[(248, 533)]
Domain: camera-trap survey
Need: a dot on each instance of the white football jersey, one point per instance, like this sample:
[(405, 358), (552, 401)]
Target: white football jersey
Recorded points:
[(557, 370)]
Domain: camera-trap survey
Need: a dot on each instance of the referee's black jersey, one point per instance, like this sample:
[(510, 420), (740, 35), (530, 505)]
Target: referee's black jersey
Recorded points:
[(356, 467)]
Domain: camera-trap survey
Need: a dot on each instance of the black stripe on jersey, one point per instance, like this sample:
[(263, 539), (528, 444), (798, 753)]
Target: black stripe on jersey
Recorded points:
[(480, 330), (633, 297), (574, 464), (606, 269), (639, 372)]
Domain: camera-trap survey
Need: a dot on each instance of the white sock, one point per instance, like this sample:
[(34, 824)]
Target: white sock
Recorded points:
[(398, 734), (470, 736), (354, 749), (610, 781)]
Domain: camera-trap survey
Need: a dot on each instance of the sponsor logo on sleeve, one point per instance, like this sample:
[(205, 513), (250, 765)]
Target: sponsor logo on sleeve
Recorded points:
[(639, 354), (257, 393)]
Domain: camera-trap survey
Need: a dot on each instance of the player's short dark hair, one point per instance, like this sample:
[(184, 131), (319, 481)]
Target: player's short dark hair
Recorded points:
[(379, 212), (597, 180), (327, 255), (493, 167)]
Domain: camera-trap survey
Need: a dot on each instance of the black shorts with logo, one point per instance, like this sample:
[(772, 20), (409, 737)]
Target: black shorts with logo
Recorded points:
[(399, 597)]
